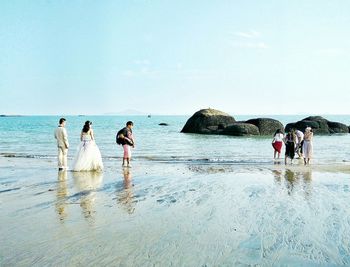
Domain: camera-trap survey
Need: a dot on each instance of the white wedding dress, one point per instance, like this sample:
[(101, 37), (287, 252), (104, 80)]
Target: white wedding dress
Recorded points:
[(88, 156)]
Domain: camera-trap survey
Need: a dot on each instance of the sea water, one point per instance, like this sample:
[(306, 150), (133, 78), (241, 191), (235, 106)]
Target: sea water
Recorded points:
[(188, 200), (32, 136)]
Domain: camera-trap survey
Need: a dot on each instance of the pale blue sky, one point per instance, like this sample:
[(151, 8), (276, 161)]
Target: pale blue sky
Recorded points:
[(174, 57)]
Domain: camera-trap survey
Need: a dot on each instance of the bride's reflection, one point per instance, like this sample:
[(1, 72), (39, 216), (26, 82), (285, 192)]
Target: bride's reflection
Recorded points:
[(125, 195), (61, 195), (87, 183)]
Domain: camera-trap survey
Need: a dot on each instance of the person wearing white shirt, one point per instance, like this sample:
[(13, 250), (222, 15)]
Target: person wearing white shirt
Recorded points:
[(299, 143), (277, 143)]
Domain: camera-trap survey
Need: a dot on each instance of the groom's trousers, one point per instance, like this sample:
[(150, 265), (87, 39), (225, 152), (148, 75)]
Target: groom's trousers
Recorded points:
[(62, 157)]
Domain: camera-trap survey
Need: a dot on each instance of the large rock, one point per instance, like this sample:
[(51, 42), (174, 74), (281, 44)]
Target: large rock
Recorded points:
[(211, 121), (241, 129), (319, 125), (208, 121), (266, 126), (337, 127)]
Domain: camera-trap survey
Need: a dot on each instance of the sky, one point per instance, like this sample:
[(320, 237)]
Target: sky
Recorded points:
[(174, 57)]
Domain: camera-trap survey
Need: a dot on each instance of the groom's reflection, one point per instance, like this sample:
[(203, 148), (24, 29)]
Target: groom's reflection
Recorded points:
[(87, 183), (61, 195), (125, 197)]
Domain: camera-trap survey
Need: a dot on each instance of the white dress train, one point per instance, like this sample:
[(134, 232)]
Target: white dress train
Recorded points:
[(88, 156)]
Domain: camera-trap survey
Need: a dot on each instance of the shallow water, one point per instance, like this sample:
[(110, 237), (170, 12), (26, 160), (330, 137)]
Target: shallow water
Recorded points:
[(189, 200), (174, 215)]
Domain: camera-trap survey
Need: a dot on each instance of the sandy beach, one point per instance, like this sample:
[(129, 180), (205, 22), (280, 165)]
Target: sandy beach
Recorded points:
[(161, 214), (199, 97)]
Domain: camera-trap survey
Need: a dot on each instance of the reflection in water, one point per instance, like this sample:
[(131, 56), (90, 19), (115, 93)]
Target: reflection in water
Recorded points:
[(62, 192), (277, 162), (307, 175), (125, 197), (307, 179), (87, 183), (291, 180), (295, 179), (278, 175)]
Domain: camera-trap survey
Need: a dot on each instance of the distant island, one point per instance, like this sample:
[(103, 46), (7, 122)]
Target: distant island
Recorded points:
[(3, 115)]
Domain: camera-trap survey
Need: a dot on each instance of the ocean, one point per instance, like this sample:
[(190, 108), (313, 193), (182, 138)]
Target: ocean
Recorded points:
[(188, 200), (32, 136)]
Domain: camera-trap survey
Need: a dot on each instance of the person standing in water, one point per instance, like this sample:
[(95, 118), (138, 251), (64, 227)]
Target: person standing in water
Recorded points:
[(277, 143), (289, 141), (62, 144), (299, 143), (88, 156), (307, 146), (126, 139)]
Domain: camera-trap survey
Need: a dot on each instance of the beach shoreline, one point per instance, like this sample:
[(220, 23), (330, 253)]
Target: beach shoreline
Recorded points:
[(173, 214)]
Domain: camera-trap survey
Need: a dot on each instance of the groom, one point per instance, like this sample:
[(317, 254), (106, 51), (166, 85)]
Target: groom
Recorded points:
[(62, 144)]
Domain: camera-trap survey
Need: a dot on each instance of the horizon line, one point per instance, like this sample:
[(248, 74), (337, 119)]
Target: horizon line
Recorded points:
[(150, 114)]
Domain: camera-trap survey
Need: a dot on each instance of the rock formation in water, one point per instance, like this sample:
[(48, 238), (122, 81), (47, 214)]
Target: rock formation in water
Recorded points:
[(319, 125), (208, 121), (211, 121), (241, 129), (266, 126)]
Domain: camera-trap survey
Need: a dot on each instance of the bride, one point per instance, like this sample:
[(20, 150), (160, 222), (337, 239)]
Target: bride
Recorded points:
[(88, 156)]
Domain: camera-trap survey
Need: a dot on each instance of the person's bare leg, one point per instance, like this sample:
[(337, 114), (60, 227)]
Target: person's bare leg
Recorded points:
[(128, 160)]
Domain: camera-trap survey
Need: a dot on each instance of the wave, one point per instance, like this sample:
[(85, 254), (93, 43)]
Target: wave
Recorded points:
[(249, 160), (220, 161), (27, 156), (10, 189), (163, 159)]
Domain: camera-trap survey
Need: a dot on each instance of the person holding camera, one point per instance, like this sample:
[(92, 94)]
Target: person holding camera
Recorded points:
[(126, 139)]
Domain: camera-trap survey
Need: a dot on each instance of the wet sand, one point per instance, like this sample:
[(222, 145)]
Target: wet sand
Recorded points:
[(162, 214)]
